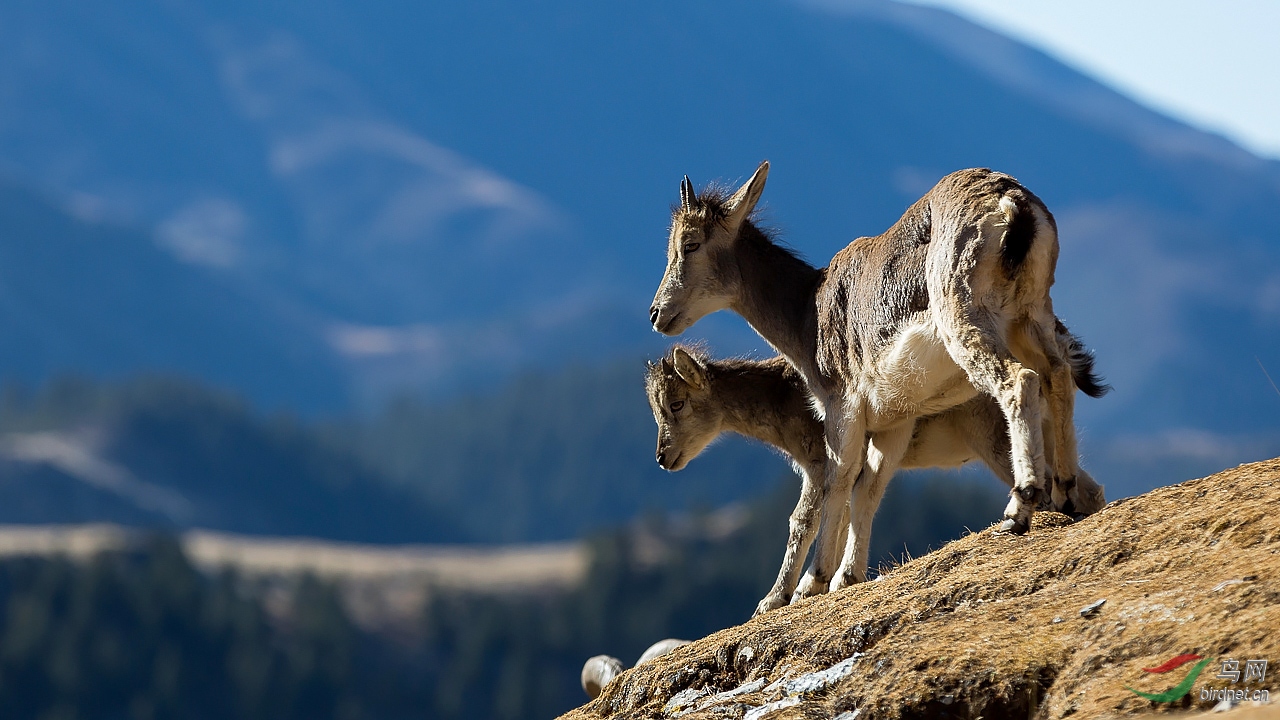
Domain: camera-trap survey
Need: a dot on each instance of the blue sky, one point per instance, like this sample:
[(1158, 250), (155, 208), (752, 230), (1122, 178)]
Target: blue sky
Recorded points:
[(1215, 65)]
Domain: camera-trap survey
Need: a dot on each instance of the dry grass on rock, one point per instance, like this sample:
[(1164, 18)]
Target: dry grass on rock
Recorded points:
[(990, 626)]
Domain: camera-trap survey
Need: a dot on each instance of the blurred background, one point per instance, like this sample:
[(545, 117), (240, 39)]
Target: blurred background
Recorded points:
[(323, 324)]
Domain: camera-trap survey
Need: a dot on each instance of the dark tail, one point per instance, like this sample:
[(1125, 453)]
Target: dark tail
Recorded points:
[(1082, 372), (1020, 231)]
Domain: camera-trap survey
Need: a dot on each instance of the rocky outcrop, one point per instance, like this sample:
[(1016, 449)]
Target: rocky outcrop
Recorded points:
[(1060, 622)]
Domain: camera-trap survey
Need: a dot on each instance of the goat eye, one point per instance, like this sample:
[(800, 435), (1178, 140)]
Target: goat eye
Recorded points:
[(675, 406), (691, 247)]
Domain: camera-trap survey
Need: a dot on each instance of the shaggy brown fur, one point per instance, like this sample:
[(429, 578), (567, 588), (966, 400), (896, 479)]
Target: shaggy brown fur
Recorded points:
[(950, 302)]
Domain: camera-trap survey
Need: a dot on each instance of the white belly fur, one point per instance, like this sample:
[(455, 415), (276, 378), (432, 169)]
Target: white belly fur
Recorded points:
[(915, 376)]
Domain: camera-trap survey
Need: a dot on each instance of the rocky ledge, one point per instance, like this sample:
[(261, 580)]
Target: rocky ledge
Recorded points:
[(1068, 620)]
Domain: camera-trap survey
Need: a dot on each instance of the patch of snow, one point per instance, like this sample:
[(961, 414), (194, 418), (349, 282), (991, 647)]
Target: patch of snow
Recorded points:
[(78, 459)]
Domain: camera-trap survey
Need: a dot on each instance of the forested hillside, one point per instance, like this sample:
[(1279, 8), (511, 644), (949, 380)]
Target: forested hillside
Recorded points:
[(141, 633)]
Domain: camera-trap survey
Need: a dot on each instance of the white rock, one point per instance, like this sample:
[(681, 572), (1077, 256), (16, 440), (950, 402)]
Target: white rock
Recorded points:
[(684, 699), (742, 689), (820, 680), (764, 711)]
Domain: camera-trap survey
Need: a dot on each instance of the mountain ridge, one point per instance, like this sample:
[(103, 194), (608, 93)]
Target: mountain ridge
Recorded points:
[(432, 199)]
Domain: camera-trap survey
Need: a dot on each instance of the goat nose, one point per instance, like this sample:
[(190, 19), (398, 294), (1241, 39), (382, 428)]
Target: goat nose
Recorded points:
[(653, 314), (662, 459)]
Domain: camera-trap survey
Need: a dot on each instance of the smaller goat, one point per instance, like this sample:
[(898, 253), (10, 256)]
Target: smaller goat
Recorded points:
[(695, 399)]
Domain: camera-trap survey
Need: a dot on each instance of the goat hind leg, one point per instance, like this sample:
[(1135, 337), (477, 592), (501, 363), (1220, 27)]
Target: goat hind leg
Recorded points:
[(1019, 398), (994, 370)]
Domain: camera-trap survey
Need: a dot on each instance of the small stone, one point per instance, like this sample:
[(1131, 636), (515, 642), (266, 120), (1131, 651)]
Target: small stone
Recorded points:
[(820, 680), (1092, 608), (947, 699), (764, 711), (743, 689), (746, 652), (684, 699), (849, 715), (662, 647), (597, 672), (1058, 619)]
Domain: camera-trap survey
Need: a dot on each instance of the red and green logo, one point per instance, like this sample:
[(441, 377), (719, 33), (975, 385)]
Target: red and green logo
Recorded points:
[(1177, 692)]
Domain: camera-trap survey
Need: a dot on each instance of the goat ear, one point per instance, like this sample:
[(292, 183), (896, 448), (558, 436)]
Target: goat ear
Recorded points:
[(745, 199), (687, 196), (689, 369)]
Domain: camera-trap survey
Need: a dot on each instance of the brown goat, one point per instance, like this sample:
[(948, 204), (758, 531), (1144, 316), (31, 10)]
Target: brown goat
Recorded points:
[(695, 399), (950, 302)]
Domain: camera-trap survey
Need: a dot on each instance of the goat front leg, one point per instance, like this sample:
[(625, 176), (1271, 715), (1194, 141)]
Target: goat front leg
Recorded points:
[(843, 466), (802, 527), (806, 586), (885, 451)]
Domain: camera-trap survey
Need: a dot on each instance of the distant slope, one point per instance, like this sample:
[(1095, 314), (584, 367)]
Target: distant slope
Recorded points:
[(102, 297), (168, 454), (997, 627)]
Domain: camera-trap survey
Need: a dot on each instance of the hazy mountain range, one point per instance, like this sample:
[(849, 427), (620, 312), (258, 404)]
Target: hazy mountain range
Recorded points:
[(319, 204)]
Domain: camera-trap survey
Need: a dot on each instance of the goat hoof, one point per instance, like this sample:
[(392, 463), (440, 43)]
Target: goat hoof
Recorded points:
[(771, 602), (809, 587), (844, 580), (1078, 516), (1014, 527)]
